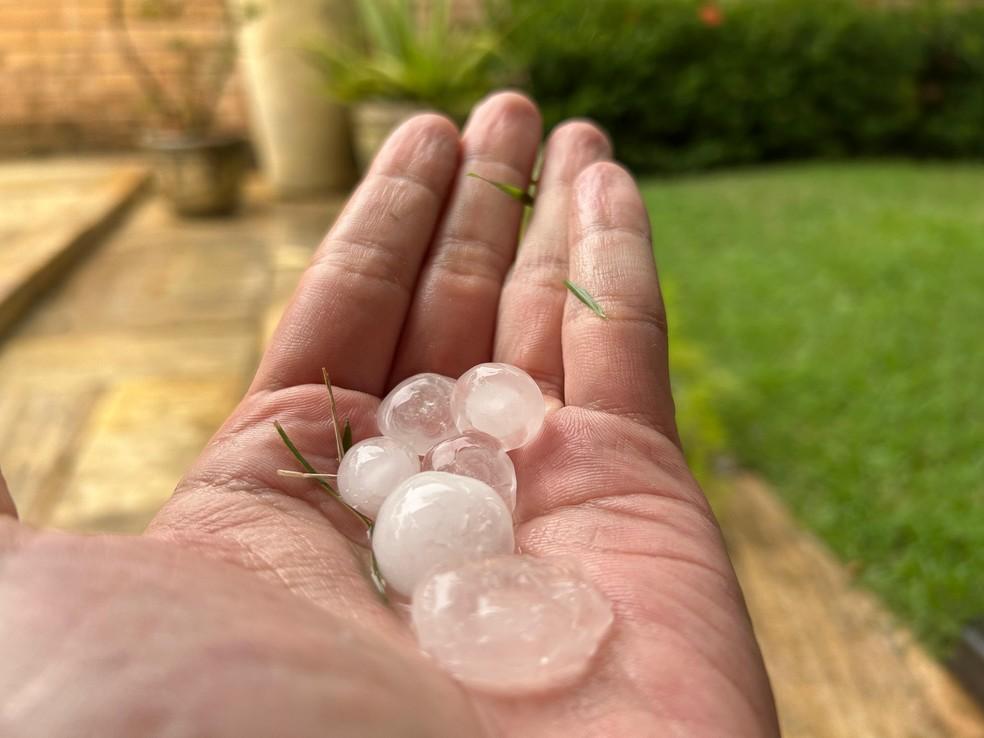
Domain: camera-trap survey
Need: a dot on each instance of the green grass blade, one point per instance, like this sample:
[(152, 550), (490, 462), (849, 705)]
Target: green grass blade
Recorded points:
[(376, 576), (347, 437), (293, 449), (514, 192), (339, 443), (584, 296), (311, 470)]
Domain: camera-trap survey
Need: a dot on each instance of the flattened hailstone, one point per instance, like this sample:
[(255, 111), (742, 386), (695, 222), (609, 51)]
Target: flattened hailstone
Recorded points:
[(500, 400), (479, 456), (372, 469), (511, 624), (438, 520), (417, 412)]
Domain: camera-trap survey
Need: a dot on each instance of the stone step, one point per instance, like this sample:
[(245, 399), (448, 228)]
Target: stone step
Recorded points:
[(51, 214)]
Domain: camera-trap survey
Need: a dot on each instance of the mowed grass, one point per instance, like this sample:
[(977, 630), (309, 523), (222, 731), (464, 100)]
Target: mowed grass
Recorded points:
[(847, 301)]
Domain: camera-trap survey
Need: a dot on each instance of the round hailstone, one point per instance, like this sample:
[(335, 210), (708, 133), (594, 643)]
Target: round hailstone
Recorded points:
[(438, 520), (417, 412), (512, 623), (479, 456), (373, 468), (500, 400)]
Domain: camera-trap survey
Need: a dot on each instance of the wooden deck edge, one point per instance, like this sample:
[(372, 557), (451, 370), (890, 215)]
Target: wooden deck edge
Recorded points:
[(967, 661), (841, 665), (62, 248)]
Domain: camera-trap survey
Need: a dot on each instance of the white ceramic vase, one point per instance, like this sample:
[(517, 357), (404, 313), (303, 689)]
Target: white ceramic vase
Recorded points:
[(301, 137)]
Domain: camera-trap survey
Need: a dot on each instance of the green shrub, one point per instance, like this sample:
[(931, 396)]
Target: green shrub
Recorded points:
[(758, 80), (699, 389)]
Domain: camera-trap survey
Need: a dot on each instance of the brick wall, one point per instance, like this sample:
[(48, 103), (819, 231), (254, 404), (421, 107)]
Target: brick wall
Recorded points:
[(64, 84)]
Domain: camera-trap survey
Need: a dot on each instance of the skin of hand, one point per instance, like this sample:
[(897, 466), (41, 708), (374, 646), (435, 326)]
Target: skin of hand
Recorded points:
[(245, 610)]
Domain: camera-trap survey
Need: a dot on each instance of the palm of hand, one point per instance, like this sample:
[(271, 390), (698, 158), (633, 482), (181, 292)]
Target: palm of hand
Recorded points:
[(246, 611)]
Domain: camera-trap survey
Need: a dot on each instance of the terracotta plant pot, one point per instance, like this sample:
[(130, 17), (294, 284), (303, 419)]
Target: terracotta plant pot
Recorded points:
[(199, 176), (372, 122)]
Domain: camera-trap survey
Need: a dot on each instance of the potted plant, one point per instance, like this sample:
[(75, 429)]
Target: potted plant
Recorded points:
[(404, 57), (199, 169)]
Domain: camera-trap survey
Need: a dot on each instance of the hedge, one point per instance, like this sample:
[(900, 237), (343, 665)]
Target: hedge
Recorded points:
[(687, 84)]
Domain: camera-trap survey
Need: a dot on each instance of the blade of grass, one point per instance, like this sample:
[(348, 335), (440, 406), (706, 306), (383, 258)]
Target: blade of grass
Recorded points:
[(304, 475), (366, 521), (347, 437), (584, 296), (514, 192), (376, 575), (339, 445)]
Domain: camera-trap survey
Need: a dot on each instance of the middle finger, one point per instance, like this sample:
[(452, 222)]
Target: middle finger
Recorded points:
[(451, 323)]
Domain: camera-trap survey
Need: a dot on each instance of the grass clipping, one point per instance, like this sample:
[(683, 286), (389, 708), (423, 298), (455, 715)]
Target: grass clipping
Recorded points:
[(343, 442)]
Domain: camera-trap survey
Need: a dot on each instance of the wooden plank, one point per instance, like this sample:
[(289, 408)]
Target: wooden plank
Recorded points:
[(841, 666)]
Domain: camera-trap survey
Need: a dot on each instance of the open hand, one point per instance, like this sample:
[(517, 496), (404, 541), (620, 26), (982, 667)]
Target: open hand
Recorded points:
[(245, 609)]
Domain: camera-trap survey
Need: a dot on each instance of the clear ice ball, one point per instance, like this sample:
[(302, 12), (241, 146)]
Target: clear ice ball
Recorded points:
[(511, 624), (417, 412), (500, 400), (438, 520), (479, 456), (372, 469)]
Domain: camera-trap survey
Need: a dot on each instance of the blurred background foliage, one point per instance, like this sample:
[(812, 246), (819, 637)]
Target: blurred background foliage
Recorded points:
[(689, 84), (700, 388)]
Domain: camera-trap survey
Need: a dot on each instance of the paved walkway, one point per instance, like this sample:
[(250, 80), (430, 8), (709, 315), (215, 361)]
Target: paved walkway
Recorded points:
[(51, 211), (117, 379)]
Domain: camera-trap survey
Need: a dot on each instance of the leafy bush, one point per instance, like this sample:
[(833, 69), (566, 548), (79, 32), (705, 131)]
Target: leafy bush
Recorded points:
[(699, 388), (685, 84)]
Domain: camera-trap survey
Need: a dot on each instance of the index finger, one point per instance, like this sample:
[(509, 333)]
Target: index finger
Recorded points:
[(349, 308)]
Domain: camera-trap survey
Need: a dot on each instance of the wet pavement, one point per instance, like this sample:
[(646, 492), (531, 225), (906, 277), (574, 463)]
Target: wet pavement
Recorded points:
[(118, 376)]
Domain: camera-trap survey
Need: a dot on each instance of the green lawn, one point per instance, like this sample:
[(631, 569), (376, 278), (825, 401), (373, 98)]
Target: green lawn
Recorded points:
[(847, 301)]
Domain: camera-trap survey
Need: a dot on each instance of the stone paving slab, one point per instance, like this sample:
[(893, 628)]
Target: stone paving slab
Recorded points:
[(124, 471), (115, 382), (51, 212)]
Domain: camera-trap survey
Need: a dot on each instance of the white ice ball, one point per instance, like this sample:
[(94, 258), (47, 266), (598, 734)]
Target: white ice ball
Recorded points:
[(511, 624), (500, 400), (436, 520), (417, 412), (479, 456), (372, 469)]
